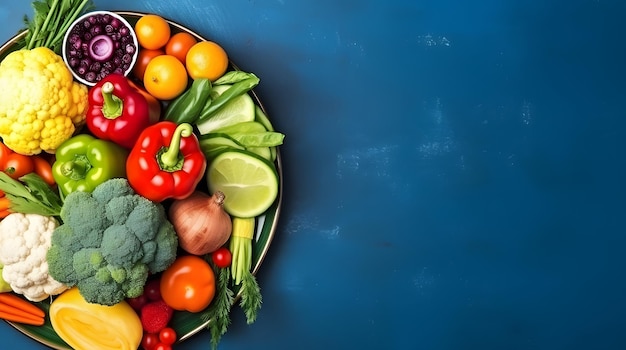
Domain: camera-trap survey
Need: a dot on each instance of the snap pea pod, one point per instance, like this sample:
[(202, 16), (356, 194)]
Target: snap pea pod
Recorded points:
[(232, 77), (244, 83), (187, 107)]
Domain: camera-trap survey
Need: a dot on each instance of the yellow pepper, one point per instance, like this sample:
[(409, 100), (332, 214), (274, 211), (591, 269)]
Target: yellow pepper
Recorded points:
[(84, 325)]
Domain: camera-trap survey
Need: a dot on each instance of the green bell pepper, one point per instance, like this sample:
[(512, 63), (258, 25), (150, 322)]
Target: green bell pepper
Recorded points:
[(83, 162)]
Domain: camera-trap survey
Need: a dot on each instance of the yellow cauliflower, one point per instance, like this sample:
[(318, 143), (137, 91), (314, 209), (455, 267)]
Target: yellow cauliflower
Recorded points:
[(40, 103)]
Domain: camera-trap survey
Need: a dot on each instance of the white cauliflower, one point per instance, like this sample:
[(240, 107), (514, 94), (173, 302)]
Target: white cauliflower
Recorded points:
[(24, 243)]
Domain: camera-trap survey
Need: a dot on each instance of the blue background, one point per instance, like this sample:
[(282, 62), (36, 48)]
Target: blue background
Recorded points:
[(453, 170)]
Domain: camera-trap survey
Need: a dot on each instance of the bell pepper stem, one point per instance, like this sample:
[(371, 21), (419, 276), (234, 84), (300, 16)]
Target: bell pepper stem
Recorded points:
[(75, 169), (113, 106), (171, 158)]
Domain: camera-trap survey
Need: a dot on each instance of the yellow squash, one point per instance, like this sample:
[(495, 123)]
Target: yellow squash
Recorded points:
[(84, 325)]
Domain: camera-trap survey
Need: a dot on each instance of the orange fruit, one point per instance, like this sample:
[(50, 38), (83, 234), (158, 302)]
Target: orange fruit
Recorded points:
[(179, 44), (165, 77), (152, 31), (206, 59), (143, 58)]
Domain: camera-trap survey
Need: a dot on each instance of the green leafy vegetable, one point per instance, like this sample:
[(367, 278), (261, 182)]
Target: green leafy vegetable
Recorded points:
[(218, 314), (31, 196), (251, 298), (52, 18)]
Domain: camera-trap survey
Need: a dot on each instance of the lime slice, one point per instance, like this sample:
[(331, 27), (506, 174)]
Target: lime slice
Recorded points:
[(249, 182), (240, 109)]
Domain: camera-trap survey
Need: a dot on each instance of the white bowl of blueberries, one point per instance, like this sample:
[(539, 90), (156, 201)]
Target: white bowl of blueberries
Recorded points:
[(99, 43)]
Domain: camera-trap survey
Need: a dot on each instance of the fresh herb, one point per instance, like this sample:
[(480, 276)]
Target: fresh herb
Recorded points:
[(31, 196), (251, 298), (241, 249), (52, 18), (218, 314)]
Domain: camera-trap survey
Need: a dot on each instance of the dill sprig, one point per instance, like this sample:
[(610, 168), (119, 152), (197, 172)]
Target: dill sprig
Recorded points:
[(251, 298), (218, 314)]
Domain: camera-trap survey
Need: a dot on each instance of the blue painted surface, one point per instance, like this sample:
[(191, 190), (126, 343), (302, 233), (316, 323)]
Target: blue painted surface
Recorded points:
[(454, 171)]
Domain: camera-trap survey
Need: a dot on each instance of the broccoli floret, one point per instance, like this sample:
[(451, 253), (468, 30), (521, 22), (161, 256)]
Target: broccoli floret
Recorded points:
[(83, 211), (166, 243), (114, 188), (139, 220), (120, 247), (118, 208), (110, 241), (86, 262)]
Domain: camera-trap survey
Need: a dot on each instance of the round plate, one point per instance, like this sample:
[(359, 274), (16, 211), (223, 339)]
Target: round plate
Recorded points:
[(186, 324)]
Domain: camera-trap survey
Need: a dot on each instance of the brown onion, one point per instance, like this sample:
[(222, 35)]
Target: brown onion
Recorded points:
[(201, 223)]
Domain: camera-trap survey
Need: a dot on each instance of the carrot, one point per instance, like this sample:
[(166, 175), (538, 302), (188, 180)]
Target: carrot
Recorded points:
[(43, 168), (23, 305), (20, 318), (4, 213), (5, 203)]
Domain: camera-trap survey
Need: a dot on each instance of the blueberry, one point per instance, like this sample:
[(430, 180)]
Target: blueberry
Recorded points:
[(90, 77)]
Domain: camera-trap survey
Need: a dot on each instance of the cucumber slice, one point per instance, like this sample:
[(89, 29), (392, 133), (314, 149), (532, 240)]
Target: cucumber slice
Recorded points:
[(261, 117), (240, 109), (215, 143), (264, 152)]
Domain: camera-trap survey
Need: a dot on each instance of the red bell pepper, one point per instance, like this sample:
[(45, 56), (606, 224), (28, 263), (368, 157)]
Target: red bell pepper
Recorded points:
[(118, 112), (166, 162)]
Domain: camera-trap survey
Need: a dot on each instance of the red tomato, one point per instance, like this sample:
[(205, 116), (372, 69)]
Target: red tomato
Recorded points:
[(188, 284), (4, 153), (17, 165), (149, 341), (179, 44), (167, 336), (43, 168), (161, 346), (222, 257)]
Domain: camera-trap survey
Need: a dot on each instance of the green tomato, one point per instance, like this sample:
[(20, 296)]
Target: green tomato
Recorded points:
[(4, 286)]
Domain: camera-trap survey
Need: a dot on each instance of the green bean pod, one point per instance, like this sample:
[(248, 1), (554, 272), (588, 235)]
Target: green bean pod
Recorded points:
[(187, 107)]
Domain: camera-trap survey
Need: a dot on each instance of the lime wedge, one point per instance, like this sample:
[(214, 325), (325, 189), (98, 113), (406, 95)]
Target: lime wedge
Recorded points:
[(249, 182), (240, 109)]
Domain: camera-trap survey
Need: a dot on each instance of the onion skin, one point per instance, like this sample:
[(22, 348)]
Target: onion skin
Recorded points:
[(201, 223)]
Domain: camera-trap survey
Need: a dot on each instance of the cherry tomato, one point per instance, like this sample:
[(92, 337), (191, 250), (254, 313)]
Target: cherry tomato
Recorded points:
[(167, 336), (161, 346), (17, 165), (149, 341), (4, 153), (179, 44), (43, 168), (143, 58), (152, 290), (188, 284), (222, 257)]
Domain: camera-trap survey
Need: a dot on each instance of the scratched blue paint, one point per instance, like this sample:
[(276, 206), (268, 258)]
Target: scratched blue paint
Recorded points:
[(454, 171)]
